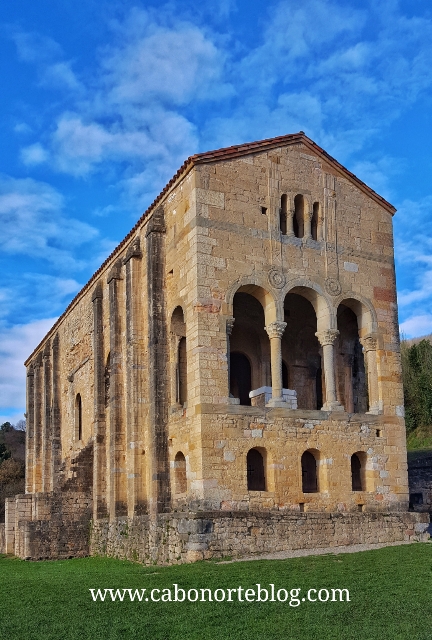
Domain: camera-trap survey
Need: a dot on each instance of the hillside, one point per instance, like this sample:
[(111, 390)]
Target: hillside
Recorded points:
[(12, 458)]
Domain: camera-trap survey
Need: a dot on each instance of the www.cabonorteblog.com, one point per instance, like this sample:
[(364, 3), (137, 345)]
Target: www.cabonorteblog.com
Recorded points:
[(237, 594)]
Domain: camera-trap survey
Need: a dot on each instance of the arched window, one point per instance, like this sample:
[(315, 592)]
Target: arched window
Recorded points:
[(180, 473), (309, 473), (255, 471), (314, 221), (298, 220), (182, 372), (358, 471), (78, 417), (240, 377), (283, 214), (179, 357)]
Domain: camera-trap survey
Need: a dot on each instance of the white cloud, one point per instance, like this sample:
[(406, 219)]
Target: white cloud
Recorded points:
[(34, 154), (22, 127), (169, 63), (47, 55), (415, 326), (16, 344), (33, 223)]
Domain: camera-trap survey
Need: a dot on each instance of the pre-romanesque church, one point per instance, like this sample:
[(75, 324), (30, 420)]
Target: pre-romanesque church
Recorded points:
[(229, 380)]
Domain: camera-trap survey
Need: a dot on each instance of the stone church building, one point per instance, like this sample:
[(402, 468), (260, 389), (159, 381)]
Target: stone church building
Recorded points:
[(229, 380)]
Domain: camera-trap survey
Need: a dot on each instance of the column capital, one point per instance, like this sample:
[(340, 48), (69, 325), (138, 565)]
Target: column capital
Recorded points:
[(229, 325), (275, 329), (97, 293), (327, 337), (369, 342), (47, 350), (134, 251), (115, 272)]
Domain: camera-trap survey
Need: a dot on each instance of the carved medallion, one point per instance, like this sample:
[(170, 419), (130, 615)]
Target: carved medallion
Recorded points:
[(276, 278), (332, 286)]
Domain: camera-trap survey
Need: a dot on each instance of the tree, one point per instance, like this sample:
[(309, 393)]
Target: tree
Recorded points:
[(21, 425), (417, 380), (4, 453)]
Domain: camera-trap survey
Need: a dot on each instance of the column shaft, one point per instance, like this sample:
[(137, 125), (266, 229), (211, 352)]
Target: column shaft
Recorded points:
[(117, 465), (30, 431), (37, 438), (307, 225), (46, 428), (55, 415), (327, 339), (369, 343), (100, 462), (136, 493), (160, 489), (290, 223), (275, 332)]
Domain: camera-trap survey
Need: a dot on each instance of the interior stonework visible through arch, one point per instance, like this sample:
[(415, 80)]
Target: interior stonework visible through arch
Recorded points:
[(351, 376), (301, 351), (249, 346)]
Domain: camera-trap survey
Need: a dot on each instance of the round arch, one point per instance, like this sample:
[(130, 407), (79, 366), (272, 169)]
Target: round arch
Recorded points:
[(266, 296), (177, 304), (324, 310), (363, 308)]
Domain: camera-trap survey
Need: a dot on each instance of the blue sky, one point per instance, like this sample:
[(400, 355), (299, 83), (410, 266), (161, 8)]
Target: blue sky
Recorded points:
[(103, 100)]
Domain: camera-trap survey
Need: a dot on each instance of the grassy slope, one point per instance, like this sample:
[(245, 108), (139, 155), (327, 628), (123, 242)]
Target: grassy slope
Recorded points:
[(390, 598), (419, 439)]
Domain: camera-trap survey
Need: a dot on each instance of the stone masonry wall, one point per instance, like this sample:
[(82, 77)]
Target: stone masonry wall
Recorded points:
[(187, 537)]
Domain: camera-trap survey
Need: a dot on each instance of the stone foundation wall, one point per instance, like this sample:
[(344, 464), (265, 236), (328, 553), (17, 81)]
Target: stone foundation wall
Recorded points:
[(187, 537), (44, 526)]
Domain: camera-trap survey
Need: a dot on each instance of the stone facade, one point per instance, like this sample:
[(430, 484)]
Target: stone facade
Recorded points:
[(260, 280)]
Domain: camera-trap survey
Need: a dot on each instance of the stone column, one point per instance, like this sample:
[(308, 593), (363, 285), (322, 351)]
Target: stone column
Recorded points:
[(326, 339), (100, 462), (46, 422), (369, 344), (229, 328), (275, 332), (290, 222), (30, 431), (117, 456), (134, 383), (160, 489), (55, 414), (307, 235), (320, 228), (37, 438)]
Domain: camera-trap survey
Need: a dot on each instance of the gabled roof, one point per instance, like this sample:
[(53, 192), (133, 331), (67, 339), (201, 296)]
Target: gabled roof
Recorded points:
[(226, 153)]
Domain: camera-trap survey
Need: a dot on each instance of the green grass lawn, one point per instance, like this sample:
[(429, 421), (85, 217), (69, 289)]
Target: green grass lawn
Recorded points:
[(390, 591)]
